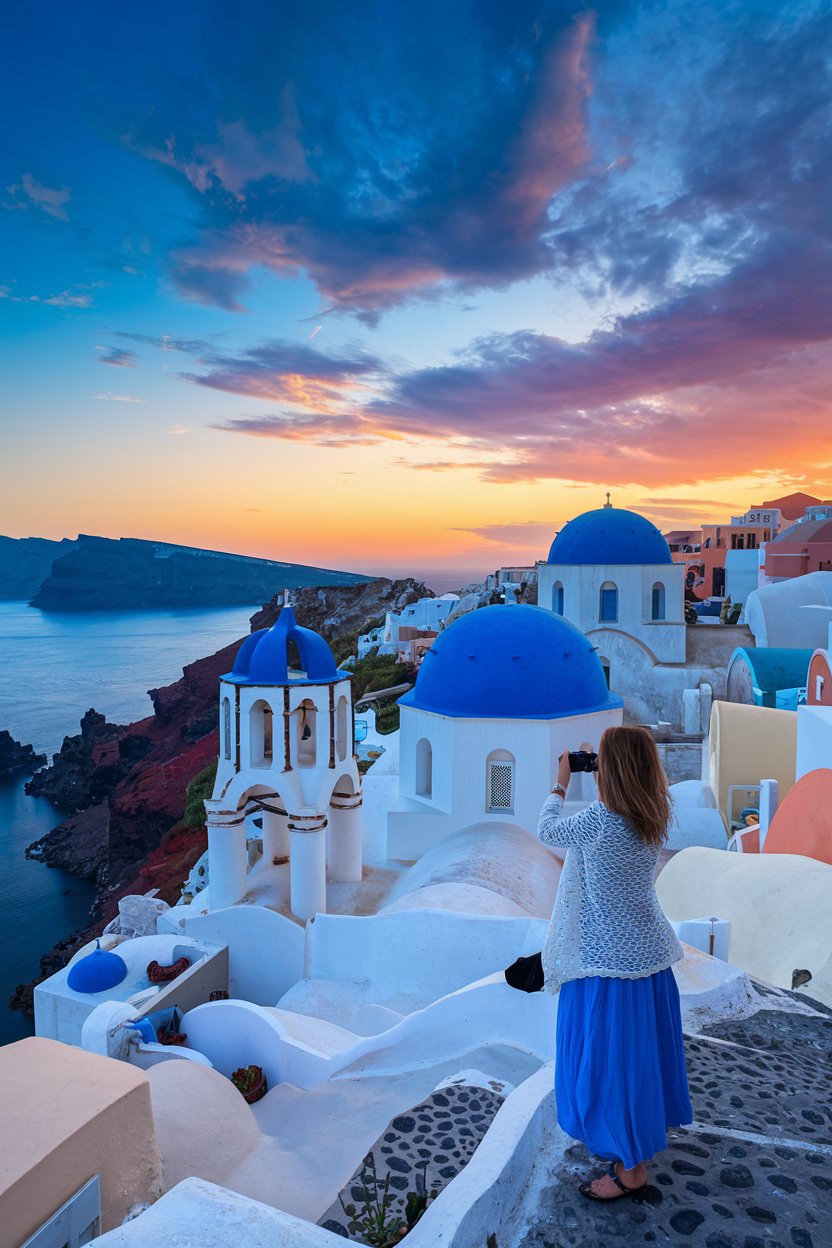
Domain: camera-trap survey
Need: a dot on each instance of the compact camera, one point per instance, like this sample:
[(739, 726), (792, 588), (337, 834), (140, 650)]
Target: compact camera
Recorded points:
[(583, 760)]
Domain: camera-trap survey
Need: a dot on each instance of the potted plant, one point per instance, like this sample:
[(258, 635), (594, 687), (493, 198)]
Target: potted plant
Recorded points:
[(251, 1082)]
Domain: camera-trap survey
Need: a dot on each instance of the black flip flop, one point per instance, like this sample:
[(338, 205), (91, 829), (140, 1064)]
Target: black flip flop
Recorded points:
[(586, 1189)]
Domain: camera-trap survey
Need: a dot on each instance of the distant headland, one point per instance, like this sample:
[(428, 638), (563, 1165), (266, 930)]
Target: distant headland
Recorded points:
[(128, 573)]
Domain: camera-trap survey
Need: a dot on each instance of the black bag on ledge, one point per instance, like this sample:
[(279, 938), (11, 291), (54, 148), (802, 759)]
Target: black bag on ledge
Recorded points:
[(526, 974)]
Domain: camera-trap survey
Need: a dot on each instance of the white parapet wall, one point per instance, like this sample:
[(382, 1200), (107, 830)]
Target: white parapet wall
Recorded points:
[(265, 949), (482, 1200), (424, 953)]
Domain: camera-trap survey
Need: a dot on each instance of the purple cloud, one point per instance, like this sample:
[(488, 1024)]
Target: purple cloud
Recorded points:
[(412, 154)]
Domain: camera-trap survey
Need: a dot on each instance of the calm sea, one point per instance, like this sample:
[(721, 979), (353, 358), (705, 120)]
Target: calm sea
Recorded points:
[(52, 669)]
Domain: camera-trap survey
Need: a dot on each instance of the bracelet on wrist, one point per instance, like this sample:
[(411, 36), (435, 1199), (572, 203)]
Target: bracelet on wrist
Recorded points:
[(559, 790)]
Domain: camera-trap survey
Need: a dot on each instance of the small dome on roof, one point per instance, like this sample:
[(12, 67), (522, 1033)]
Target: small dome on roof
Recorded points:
[(511, 662), (609, 535), (96, 972), (263, 658)]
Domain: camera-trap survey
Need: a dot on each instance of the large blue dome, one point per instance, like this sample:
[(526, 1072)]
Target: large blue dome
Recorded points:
[(609, 535), (263, 658), (97, 972), (511, 662)]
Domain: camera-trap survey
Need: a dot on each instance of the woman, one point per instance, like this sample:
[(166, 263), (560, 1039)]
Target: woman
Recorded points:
[(620, 1077)]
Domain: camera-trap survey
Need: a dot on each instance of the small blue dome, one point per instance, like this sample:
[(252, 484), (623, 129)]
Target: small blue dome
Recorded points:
[(96, 972), (263, 657), (609, 535), (511, 662)]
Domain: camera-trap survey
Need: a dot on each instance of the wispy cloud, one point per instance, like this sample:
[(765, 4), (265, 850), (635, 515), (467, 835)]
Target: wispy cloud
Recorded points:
[(521, 535), (118, 357), (30, 193), (118, 398), (74, 297)]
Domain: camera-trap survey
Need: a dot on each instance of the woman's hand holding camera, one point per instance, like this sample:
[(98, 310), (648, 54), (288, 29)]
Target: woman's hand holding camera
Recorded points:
[(563, 770)]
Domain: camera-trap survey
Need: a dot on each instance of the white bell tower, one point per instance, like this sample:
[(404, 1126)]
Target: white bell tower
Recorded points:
[(286, 754)]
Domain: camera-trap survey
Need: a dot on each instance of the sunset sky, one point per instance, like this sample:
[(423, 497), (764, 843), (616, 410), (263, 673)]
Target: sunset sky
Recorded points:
[(401, 288)]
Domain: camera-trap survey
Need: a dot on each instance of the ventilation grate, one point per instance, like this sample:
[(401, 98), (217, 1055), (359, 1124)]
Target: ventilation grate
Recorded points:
[(500, 784)]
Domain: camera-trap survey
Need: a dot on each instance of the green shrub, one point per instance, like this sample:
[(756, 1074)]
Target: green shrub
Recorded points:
[(199, 788)]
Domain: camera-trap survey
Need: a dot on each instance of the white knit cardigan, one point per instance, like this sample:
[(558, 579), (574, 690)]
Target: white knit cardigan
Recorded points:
[(607, 919)]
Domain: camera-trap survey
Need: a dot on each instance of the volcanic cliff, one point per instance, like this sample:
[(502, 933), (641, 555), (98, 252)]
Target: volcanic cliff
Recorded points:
[(124, 787)]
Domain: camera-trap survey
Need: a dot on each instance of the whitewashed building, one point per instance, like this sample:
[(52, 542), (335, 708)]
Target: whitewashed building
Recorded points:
[(286, 757), (611, 574), (426, 615), (499, 695)]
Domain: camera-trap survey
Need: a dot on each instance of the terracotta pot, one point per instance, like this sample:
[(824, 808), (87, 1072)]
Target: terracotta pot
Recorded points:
[(164, 974)]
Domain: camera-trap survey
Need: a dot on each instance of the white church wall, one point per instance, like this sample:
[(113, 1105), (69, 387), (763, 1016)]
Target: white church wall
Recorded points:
[(461, 749), (652, 693), (582, 584)]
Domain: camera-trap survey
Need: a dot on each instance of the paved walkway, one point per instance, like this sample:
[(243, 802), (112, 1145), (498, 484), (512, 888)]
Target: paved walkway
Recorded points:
[(753, 1171)]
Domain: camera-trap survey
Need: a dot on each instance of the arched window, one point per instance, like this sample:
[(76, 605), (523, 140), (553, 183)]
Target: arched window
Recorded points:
[(424, 769), (261, 737), (499, 780), (657, 606), (307, 733), (557, 598), (608, 606), (605, 665), (341, 728), (226, 728)]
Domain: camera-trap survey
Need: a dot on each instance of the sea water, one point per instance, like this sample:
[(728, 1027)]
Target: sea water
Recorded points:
[(53, 668)]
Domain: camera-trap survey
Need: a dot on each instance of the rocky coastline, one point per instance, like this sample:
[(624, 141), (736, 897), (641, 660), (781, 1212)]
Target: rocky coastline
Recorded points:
[(14, 756), (123, 788)]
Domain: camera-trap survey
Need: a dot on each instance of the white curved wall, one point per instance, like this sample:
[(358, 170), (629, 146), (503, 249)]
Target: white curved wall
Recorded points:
[(778, 906), (794, 613), (498, 857), (426, 953), (265, 949), (234, 1033)]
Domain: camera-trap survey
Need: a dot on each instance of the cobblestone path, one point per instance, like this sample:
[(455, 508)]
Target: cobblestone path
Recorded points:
[(753, 1171)]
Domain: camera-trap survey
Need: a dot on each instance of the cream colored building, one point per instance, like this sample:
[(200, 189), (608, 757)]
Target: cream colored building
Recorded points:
[(67, 1118)]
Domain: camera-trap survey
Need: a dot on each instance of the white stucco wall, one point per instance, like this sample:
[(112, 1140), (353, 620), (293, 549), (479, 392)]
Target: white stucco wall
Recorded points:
[(794, 613), (425, 953), (653, 692), (742, 574), (814, 739), (265, 949), (460, 749), (581, 601), (777, 904), (503, 860)]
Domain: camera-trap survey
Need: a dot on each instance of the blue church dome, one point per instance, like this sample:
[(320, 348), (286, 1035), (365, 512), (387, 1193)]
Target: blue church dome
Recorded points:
[(96, 972), (263, 658), (609, 535), (511, 662)]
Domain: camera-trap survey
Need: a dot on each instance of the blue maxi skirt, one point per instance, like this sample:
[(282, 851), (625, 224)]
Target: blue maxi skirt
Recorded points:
[(620, 1077)]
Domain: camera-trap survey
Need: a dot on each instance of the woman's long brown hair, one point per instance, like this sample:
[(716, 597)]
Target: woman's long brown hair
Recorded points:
[(632, 782)]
